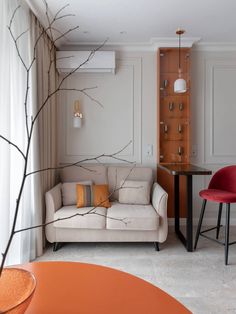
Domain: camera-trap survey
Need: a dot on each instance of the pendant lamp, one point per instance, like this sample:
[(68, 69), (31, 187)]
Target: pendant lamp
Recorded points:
[(180, 85)]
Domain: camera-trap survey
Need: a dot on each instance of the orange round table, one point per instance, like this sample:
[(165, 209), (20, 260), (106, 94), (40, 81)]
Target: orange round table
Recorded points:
[(71, 288)]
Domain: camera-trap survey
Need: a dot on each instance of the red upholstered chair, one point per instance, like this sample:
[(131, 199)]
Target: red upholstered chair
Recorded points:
[(221, 189)]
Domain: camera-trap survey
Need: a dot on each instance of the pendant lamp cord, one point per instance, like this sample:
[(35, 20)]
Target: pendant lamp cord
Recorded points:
[(179, 50)]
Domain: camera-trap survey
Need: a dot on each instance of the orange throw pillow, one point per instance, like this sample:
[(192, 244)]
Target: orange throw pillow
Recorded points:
[(101, 195), (92, 195)]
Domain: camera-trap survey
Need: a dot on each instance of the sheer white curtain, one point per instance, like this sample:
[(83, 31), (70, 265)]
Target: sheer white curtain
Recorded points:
[(12, 126)]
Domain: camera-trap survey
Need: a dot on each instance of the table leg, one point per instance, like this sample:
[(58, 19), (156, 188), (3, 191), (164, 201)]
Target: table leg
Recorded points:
[(189, 226), (188, 240), (176, 202)]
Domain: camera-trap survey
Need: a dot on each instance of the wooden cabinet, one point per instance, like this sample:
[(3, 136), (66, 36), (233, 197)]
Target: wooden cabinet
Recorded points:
[(173, 118)]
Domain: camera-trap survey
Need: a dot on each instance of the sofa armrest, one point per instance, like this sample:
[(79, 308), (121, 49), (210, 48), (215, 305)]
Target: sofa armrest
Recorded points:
[(159, 199), (159, 202), (53, 200)]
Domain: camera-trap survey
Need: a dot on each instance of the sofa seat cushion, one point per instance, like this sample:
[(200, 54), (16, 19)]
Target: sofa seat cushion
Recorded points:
[(137, 217), (91, 221)]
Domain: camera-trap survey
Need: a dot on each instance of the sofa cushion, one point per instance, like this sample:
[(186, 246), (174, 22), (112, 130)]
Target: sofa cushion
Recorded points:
[(90, 221), (137, 217), (134, 192), (96, 173), (117, 174), (68, 191)]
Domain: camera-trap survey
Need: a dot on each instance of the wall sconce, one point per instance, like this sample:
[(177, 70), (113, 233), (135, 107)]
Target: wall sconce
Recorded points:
[(77, 118)]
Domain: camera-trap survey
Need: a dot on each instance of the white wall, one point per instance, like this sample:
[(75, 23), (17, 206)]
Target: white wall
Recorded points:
[(129, 113)]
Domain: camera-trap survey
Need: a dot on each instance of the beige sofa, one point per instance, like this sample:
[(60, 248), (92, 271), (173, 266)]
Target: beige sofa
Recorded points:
[(145, 223)]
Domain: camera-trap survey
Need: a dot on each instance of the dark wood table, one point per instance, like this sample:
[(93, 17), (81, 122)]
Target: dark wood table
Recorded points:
[(187, 170)]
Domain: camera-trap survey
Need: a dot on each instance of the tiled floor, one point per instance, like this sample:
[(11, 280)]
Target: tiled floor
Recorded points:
[(200, 280)]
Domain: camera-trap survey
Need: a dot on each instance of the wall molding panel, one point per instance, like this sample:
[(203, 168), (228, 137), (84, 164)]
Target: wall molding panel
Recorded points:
[(220, 111), (213, 119), (104, 130)]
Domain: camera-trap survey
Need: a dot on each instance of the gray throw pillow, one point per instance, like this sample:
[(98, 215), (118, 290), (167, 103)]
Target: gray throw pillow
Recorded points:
[(135, 192), (68, 189)]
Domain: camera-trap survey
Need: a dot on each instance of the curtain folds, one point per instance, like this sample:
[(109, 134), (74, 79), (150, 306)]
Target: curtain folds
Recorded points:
[(29, 244), (47, 122), (12, 126)]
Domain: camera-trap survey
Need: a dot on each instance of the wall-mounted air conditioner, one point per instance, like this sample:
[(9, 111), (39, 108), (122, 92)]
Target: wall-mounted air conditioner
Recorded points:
[(101, 61)]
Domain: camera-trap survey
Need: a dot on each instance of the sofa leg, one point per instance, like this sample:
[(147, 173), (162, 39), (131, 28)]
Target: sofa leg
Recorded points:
[(157, 246), (56, 246)]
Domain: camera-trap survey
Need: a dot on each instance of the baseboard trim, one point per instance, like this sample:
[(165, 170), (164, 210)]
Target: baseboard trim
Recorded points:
[(206, 222)]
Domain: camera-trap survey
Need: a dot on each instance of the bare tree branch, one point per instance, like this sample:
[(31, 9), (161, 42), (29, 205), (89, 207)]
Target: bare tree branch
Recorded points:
[(26, 102), (63, 16), (120, 159), (61, 9), (83, 91), (90, 56), (15, 39), (65, 33), (72, 216), (63, 79), (23, 33), (12, 144), (44, 31), (13, 15), (78, 163), (59, 32), (123, 148), (30, 129), (50, 50), (48, 19), (17, 48), (59, 58)]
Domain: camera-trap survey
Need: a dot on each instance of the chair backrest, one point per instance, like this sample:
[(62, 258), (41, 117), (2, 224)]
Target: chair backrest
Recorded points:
[(224, 179)]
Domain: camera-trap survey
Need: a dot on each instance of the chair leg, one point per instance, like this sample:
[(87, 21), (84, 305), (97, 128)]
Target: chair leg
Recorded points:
[(157, 246), (227, 233), (200, 223), (56, 246), (219, 220)]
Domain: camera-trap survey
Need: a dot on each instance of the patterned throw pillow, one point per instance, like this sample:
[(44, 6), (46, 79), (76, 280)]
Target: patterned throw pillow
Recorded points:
[(92, 195)]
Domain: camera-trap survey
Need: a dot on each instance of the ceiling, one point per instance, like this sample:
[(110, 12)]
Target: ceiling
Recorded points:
[(139, 21)]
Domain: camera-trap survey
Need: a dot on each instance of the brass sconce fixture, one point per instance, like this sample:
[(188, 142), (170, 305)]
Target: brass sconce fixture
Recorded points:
[(77, 119)]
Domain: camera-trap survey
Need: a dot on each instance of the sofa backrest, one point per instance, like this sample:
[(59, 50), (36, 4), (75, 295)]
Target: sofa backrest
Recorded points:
[(111, 175), (118, 173), (96, 173)]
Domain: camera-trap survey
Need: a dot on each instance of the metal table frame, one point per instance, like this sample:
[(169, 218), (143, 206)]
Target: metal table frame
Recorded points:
[(187, 170)]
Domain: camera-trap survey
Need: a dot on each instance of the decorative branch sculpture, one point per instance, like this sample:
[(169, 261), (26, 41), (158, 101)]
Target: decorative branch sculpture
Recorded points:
[(30, 123)]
